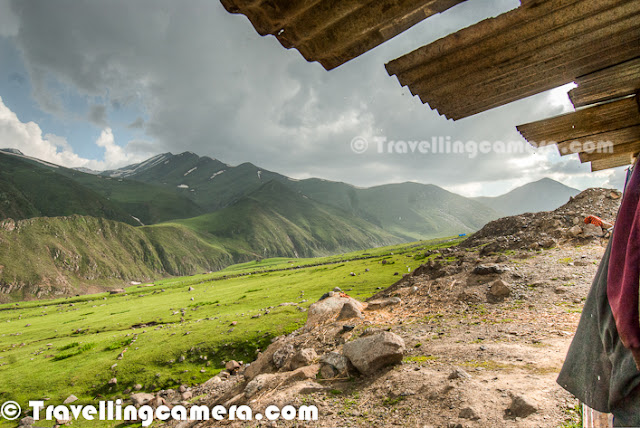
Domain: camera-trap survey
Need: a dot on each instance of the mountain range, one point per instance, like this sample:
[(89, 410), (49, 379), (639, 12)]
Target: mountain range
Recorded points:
[(182, 214)]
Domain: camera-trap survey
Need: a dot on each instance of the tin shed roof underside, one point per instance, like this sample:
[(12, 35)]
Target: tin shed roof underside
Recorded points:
[(333, 32), (539, 46)]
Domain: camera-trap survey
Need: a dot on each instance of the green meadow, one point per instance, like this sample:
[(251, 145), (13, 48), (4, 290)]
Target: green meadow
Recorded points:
[(169, 335)]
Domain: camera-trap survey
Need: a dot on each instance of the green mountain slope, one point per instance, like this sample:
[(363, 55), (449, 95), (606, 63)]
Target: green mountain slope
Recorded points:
[(208, 182), (276, 221), (412, 211), (542, 195), (66, 255), (30, 188), (408, 210)]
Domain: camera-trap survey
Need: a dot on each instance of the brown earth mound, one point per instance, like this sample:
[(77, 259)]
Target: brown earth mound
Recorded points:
[(547, 229)]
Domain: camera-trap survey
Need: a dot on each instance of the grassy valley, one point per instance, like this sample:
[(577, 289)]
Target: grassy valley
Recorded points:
[(70, 346)]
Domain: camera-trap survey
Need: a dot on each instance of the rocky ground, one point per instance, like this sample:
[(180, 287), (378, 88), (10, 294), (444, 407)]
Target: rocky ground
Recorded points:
[(473, 338)]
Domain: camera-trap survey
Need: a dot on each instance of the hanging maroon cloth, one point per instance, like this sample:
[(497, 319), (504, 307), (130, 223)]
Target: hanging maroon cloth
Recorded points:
[(624, 268)]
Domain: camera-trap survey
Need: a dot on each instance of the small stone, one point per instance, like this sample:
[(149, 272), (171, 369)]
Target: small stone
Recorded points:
[(459, 374), (142, 398), (337, 290), (113, 381), (487, 270), (28, 421), (498, 291), (232, 366), (520, 407), (468, 413), (70, 399), (137, 387), (187, 395)]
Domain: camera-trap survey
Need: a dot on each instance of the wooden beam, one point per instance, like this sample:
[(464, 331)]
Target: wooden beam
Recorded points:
[(617, 150), (608, 84), (583, 123), (612, 162), (602, 142)]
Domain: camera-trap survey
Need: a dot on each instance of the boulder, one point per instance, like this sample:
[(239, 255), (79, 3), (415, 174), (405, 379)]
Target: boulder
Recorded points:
[(349, 311), (373, 352), (327, 309)]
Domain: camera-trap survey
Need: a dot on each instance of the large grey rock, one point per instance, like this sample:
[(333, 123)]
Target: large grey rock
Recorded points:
[(327, 309), (371, 353), (349, 310)]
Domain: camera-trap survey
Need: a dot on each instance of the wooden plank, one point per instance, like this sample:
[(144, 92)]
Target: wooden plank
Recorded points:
[(617, 150), (601, 141), (515, 39), (529, 79), (483, 32), (612, 162), (594, 120), (608, 84)]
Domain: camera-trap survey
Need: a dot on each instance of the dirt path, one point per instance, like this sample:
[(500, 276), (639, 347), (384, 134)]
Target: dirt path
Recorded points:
[(514, 348)]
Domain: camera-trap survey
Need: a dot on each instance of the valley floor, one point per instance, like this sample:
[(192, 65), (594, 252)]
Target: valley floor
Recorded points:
[(468, 359)]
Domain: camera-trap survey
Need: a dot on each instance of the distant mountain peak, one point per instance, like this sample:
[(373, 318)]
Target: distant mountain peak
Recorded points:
[(13, 151)]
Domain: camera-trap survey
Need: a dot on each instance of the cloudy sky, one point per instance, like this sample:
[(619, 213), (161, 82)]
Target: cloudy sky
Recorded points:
[(102, 84)]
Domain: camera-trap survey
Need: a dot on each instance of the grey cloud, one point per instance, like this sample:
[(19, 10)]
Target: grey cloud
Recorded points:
[(210, 84), (97, 114), (136, 124)]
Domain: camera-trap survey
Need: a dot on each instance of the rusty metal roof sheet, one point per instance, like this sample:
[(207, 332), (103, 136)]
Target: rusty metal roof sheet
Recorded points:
[(539, 46), (333, 32), (607, 134)]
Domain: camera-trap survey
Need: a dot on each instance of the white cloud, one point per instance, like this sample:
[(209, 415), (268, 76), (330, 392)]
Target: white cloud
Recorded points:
[(29, 139)]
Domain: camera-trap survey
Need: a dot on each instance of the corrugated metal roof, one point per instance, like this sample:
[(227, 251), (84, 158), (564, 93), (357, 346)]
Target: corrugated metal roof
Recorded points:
[(333, 32), (607, 135), (539, 46)]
